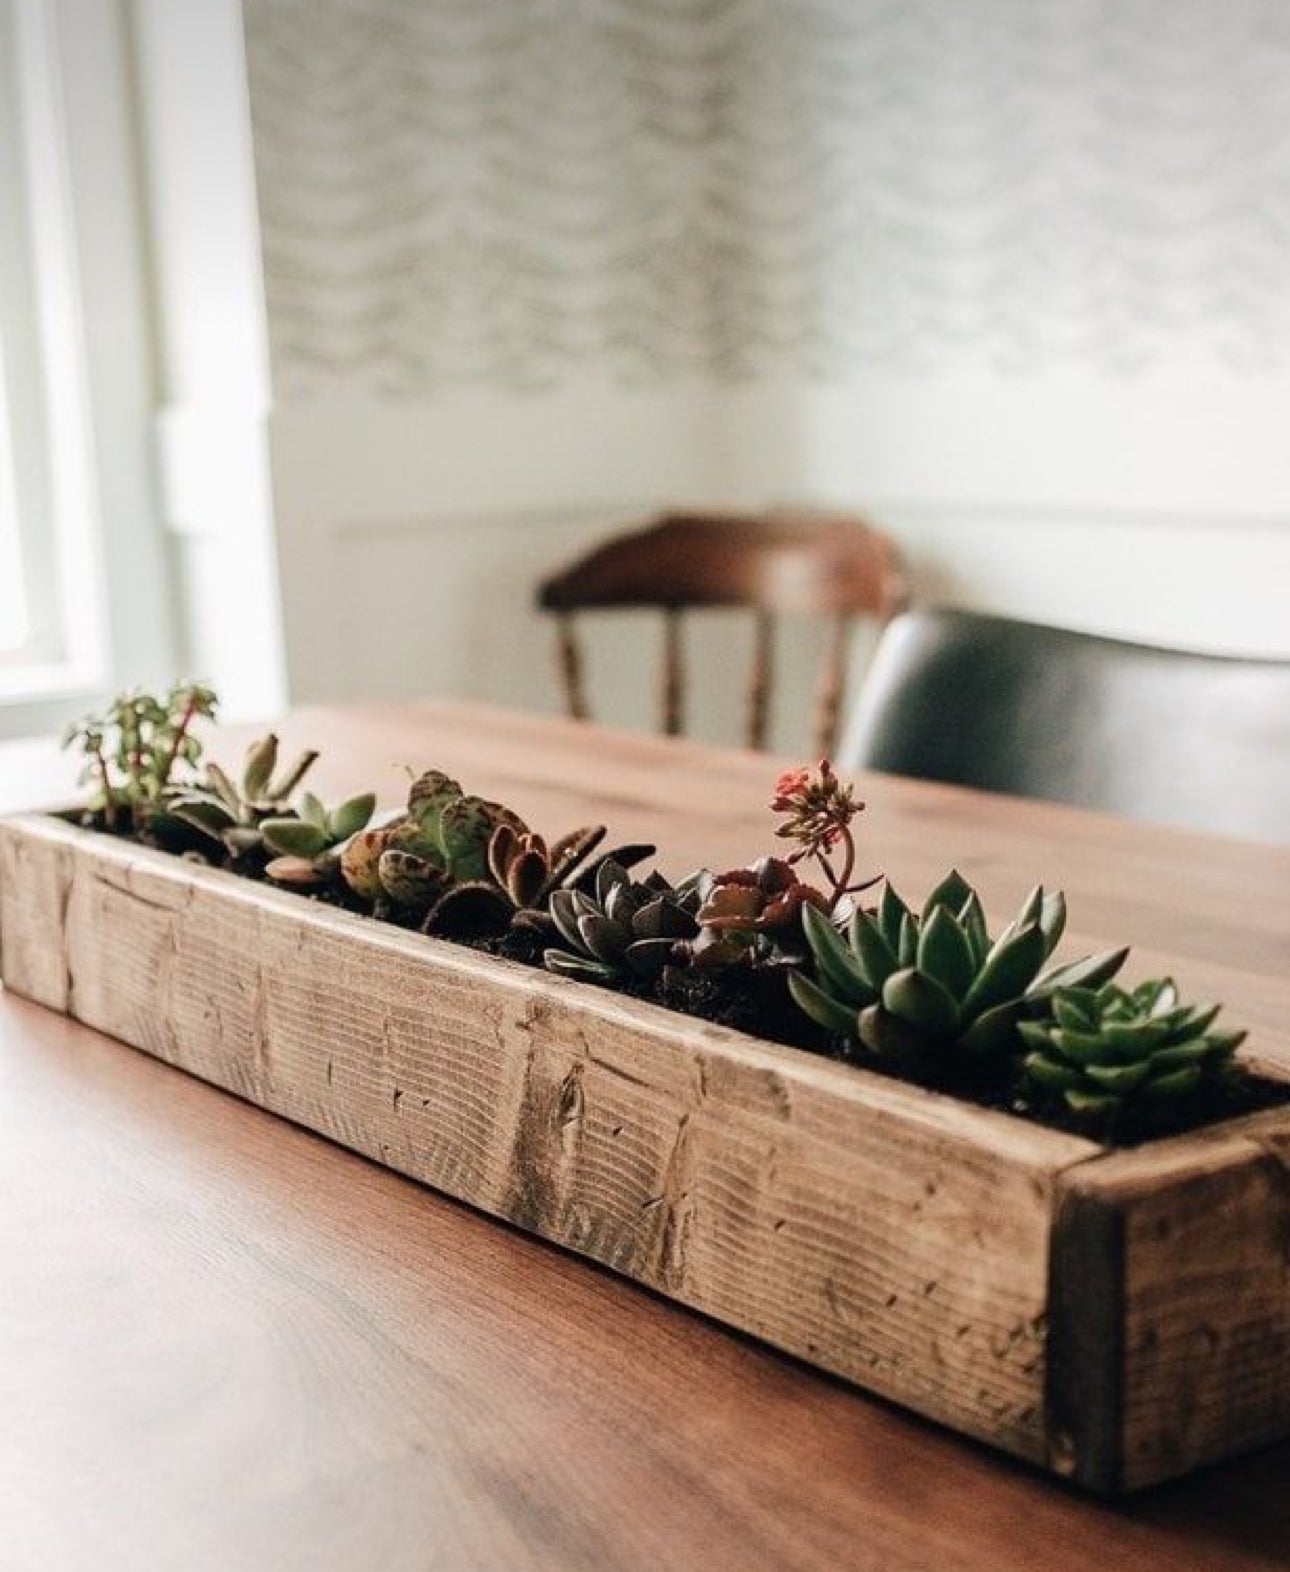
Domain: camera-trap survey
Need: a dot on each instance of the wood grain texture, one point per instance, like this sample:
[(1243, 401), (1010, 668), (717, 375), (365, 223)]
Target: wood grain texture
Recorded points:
[(884, 1233), (1192, 1240)]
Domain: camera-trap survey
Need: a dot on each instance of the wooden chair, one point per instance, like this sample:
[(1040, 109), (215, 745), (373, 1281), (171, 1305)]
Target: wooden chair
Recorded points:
[(1163, 734), (775, 564)]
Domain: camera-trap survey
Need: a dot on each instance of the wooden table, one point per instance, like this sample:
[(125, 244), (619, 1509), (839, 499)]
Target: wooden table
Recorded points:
[(226, 1344)]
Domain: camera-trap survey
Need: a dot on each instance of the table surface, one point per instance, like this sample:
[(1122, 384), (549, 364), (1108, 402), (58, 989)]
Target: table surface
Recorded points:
[(227, 1344)]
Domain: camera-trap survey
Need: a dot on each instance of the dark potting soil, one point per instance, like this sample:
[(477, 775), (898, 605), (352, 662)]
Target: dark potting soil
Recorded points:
[(756, 1001)]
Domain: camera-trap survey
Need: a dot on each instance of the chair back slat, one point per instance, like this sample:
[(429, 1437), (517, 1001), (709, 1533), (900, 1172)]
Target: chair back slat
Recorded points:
[(760, 678), (833, 676), (672, 688)]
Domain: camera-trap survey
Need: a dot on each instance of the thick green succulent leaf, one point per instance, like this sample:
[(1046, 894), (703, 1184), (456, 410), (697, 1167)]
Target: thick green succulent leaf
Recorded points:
[(945, 953), (835, 961), (205, 814), (1051, 1073), (1176, 1084), (972, 921), (1193, 1050), (994, 1032), (1223, 1044), (907, 949), (1076, 1008), (1036, 1035), (871, 952), (224, 789), (1118, 1077), (834, 1015), (466, 826), (921, 1001), (350, 816), (1008, 971), (892, 913), (570, 965), (293, 837), (1091, 971), (1134, 1039), (951, 893), (1052, 920), (1091, 1102), (888, 1036), (312, 810), (261, 761)]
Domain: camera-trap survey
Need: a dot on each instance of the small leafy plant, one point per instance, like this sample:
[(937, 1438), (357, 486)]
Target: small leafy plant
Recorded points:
[(135, 748), (1108, 1052), (933, 991)]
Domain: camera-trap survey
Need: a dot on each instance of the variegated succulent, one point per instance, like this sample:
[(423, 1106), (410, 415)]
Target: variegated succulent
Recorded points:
[(933, 990), (231, 814), (623, 928), (1105, 1052)]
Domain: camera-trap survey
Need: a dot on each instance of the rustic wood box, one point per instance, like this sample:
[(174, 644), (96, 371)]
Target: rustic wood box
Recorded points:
[(1116, 1318)]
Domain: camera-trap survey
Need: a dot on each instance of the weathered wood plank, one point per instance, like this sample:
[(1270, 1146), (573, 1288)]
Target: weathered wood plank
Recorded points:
[(1190, 1239), (887, 1234)]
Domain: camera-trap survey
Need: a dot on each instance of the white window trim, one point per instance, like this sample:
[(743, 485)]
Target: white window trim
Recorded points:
[(102, 613)]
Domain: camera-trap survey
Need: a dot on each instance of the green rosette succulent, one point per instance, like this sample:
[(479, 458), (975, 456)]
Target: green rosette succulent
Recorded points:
[(306, 848), (624, 928), (933, 990), (1104, 1052)]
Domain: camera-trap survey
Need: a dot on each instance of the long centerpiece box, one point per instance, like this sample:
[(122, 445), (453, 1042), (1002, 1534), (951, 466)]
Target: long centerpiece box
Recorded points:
[(1116, 1317)]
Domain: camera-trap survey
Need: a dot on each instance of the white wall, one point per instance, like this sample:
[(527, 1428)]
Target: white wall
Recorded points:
[(1009, 276)]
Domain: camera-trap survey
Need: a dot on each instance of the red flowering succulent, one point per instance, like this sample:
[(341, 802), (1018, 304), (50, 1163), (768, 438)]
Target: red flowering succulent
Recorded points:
[(818, 812)]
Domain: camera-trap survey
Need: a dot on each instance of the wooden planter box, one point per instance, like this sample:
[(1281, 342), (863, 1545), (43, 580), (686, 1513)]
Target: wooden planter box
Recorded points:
[(1115, 1318)]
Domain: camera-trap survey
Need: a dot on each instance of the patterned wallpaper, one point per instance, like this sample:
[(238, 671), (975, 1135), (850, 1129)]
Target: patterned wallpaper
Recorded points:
[(506, 192)]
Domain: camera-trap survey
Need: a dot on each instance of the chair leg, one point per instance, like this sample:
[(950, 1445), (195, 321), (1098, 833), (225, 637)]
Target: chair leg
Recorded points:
[(570, 657)]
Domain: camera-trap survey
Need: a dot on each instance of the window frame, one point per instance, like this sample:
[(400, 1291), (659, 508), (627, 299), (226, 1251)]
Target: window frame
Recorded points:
[(78, 369)]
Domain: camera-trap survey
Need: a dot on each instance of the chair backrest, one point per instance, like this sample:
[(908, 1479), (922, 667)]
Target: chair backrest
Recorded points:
[(773, 564), (1200, 740)]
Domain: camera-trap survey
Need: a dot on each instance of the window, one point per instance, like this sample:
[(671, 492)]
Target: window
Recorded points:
[(83, 602)]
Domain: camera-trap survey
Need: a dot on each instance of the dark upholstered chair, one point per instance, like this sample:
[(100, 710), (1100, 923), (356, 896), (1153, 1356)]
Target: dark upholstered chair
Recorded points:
[(1200, 740)]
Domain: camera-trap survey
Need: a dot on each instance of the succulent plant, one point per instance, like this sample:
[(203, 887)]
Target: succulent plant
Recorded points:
[(440, 842), (232, 813), (623, 928), (934, 991), (523, 872), (753, 915), (307, 847), (1104, 1051), (134, 749)]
